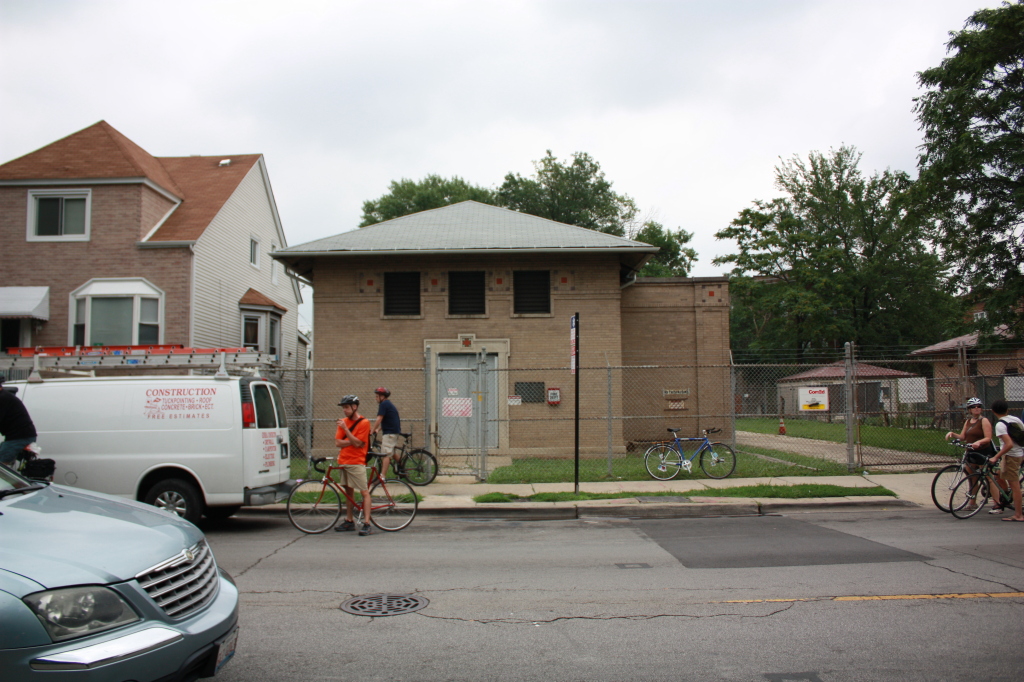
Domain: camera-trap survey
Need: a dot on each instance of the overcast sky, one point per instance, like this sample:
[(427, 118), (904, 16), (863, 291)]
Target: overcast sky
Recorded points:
[(686, 105)]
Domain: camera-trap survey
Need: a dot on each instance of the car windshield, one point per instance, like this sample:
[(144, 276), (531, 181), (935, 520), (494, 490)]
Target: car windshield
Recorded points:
[(9, 480)]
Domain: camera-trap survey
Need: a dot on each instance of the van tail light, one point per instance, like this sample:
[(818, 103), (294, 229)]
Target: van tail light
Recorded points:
[(248, 415)]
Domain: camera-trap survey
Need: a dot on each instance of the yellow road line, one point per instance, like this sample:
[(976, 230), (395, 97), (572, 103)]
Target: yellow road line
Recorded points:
[(883, 597)]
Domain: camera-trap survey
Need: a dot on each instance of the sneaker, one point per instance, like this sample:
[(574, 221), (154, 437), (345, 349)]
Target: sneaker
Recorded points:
[(995, 510), (345, 525), (366, 529)]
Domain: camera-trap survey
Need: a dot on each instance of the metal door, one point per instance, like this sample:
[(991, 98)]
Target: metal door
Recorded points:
[(467, 400)]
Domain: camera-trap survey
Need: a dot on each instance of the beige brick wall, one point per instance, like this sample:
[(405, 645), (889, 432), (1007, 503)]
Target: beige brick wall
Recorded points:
[(681, 324), (121, 215)]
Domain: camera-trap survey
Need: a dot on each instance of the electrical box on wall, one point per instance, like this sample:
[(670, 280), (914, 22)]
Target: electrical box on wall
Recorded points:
[(554, 396)]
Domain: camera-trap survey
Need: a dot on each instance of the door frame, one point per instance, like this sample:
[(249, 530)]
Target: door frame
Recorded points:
[(470, 345)]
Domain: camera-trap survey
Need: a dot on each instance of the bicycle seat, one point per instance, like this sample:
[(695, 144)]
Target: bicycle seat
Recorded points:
[(406, 436), (712, 430), (318, 460), (673, 430)]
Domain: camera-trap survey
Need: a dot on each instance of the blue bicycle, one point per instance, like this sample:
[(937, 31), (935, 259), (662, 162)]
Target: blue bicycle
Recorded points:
[(665, 460)]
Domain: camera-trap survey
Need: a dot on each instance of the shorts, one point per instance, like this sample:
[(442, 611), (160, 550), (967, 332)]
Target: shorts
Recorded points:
[(353, 476), (388, 443), (1009, 469)]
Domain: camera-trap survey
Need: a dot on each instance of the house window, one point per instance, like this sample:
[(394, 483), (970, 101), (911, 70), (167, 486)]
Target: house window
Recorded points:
[(980, 316), (116, 312), (466, 293), (261, 331), (254, 253), (59, 215), (401, 293), (530, 391), (531, 292)]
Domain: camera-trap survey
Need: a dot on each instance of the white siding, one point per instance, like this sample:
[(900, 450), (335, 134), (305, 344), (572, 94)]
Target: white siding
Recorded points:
[(223, 273)]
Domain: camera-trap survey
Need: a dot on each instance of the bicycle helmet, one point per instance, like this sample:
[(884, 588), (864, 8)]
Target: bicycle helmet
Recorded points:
[(383, 391), (974, 402), (349, 400)]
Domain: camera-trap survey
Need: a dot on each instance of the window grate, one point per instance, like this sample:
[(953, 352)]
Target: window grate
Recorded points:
[(401, 293), (532, 291), (466, 293)]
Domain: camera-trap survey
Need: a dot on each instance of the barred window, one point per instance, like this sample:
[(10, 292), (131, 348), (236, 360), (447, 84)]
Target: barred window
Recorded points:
[(401, 293), (466, 293), (531, 291), (530, 391)]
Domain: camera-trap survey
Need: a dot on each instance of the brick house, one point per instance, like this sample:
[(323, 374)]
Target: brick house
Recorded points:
[(105, 244), (469, 284)]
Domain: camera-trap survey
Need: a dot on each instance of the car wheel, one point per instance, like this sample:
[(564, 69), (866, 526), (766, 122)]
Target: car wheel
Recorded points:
[(178, 497)]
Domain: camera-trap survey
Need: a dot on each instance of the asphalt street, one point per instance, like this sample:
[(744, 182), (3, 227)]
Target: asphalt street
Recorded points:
[(901, 594)]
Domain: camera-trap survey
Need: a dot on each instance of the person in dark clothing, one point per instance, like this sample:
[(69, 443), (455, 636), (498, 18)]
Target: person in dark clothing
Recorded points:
[(15, 426), (389, 424)]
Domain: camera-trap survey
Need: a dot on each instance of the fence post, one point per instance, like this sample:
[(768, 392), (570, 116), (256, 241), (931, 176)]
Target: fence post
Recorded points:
[(482, 398), (308, 427), (732, 399), (426, 403), (848, 362), (609, 414)]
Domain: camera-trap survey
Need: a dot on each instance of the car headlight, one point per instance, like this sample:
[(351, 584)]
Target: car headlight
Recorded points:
[(76, 611)]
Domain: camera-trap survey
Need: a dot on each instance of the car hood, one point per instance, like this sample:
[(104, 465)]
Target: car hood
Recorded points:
[(62, 536)]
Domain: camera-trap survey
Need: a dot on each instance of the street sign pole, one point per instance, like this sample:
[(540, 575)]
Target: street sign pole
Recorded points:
[(574, 339)]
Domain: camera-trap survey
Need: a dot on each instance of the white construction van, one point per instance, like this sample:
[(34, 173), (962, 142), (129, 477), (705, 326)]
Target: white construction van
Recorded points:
[(192, 445)]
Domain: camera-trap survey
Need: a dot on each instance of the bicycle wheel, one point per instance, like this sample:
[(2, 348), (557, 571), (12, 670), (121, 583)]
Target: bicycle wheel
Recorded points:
[(419, 467), (943, 483), (663, 462), (969, 496), (314, 506), (393, 504), (718, 460)]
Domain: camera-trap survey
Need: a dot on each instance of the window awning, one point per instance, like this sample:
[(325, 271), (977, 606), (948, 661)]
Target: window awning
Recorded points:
[(25, 302)]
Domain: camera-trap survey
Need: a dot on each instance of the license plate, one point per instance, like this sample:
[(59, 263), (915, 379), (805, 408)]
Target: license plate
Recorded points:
[(226, 650)]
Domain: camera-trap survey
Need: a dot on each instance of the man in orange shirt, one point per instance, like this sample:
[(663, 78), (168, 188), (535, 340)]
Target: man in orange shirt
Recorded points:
[(353, 437)]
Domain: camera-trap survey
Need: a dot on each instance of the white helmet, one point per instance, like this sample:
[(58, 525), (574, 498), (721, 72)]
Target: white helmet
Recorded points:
[(974, 402)]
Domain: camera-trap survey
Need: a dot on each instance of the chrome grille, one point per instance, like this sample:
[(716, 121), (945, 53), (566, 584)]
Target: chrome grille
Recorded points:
[(184, 583)]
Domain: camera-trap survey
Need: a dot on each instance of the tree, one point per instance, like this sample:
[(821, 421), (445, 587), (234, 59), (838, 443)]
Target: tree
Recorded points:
[(407, 196), (972, 160), (675, 258), (576, 193), (840, 258)]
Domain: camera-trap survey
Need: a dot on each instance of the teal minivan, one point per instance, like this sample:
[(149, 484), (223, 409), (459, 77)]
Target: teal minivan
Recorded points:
[(97, 587)]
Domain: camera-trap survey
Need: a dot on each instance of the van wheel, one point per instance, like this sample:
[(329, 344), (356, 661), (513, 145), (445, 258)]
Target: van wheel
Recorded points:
[(178, 497), (221, 513)]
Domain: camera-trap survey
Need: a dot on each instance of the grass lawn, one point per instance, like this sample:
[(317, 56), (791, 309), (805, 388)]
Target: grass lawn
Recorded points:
[(631, 468), (893, 438), (800, 491)]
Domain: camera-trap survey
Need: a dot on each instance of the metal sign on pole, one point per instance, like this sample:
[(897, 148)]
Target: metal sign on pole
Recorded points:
[(574, 345)]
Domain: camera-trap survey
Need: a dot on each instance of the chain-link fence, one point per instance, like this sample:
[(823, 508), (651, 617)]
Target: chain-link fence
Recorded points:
[(509, 424)]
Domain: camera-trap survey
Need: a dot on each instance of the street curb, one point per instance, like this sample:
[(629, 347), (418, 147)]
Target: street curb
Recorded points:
[(566, 511)]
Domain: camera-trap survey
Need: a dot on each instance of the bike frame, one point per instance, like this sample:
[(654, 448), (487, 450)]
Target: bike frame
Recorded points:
[(373, 478)]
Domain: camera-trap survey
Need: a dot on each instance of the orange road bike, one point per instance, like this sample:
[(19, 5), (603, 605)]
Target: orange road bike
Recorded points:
[(315, 505)]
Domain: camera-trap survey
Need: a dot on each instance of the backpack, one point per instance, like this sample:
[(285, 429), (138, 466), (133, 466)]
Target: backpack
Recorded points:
[(1014, 431)]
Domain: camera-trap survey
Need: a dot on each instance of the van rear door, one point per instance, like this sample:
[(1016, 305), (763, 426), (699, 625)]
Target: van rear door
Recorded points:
[(266, 437)]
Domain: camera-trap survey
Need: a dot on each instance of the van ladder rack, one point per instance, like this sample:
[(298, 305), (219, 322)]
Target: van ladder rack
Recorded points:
[(127, 357)]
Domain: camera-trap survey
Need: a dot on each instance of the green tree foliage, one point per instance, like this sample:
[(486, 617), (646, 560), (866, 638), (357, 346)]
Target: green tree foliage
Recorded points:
[(407, 196), (675, 258), (972, 161), (839, 258), (575, 192)]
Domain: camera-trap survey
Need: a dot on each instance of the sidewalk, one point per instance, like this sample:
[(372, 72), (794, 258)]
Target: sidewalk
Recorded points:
[(453, 496)]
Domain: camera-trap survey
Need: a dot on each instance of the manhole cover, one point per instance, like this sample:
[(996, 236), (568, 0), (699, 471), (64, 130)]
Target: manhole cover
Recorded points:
[(383, 604)]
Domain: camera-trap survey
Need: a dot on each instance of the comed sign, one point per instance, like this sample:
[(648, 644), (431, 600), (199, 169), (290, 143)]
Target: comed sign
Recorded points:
[(813, 399)]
